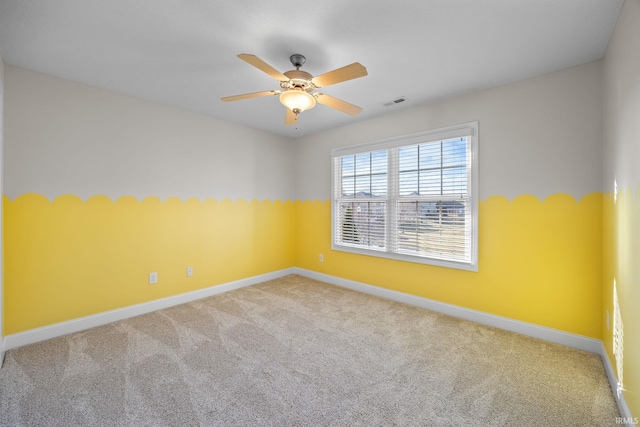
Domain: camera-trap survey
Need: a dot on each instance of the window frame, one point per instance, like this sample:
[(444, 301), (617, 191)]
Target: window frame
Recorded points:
[(392, 196)]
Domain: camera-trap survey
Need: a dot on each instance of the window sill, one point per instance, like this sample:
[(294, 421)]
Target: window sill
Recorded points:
[(458, 265)]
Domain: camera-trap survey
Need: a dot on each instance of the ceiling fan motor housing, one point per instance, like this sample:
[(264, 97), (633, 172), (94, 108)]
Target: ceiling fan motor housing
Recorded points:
[(298, 79)]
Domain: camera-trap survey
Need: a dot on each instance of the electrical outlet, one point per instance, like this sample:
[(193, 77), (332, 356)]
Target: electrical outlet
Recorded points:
[(189, 271), (153, 278), (321, 258)]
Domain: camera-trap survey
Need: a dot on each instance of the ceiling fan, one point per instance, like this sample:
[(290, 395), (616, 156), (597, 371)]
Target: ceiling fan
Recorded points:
[(297, 86)]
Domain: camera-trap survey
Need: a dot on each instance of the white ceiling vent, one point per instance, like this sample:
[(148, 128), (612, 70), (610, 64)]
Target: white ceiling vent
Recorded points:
[(396, 101)]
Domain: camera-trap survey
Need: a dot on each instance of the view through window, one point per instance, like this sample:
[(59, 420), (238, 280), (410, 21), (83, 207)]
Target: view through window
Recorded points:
[(411, 198)]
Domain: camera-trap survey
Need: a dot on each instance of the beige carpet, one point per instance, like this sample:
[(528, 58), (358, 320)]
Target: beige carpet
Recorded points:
[(296, 352)]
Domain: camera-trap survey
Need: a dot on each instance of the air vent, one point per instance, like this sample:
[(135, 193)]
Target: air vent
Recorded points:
[(395, 101)]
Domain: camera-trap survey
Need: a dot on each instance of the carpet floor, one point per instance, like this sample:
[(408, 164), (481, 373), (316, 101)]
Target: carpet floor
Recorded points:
[(297, 352)]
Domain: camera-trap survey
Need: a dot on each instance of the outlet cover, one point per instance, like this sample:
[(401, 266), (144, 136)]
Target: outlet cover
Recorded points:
[(189, 271), (153, 278)]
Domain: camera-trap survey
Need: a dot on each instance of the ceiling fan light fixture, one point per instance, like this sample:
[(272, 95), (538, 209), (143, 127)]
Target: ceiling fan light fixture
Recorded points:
[(297, 100)]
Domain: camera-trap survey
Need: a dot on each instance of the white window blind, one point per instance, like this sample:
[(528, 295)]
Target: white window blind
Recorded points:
[(412, 198)]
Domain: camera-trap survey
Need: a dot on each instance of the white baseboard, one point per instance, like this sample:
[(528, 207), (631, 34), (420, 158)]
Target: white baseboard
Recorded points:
[(63, 328), (625, 412), (548, 334)]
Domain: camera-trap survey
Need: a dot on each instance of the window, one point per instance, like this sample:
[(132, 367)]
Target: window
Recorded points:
[(412, 198)]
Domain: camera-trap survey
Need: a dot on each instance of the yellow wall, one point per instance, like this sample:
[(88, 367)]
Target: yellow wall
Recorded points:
[(70, 258), (621, 264), (539, 261)]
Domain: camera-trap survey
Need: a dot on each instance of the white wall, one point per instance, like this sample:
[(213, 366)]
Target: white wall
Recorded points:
[(538, 136), (1, 192), (621, 152), (64, 137), (621, 224)]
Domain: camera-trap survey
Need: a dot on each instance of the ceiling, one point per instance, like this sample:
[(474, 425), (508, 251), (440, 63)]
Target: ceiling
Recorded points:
[(183, 52)]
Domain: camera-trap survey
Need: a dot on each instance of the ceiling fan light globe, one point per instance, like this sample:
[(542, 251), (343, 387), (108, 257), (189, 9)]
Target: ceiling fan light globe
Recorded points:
[(297, 100)]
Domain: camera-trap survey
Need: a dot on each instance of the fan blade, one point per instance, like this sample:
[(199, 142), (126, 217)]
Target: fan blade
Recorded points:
[(261, 65), (290, 118), (250, 95), (338, 104), (339, 75)]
